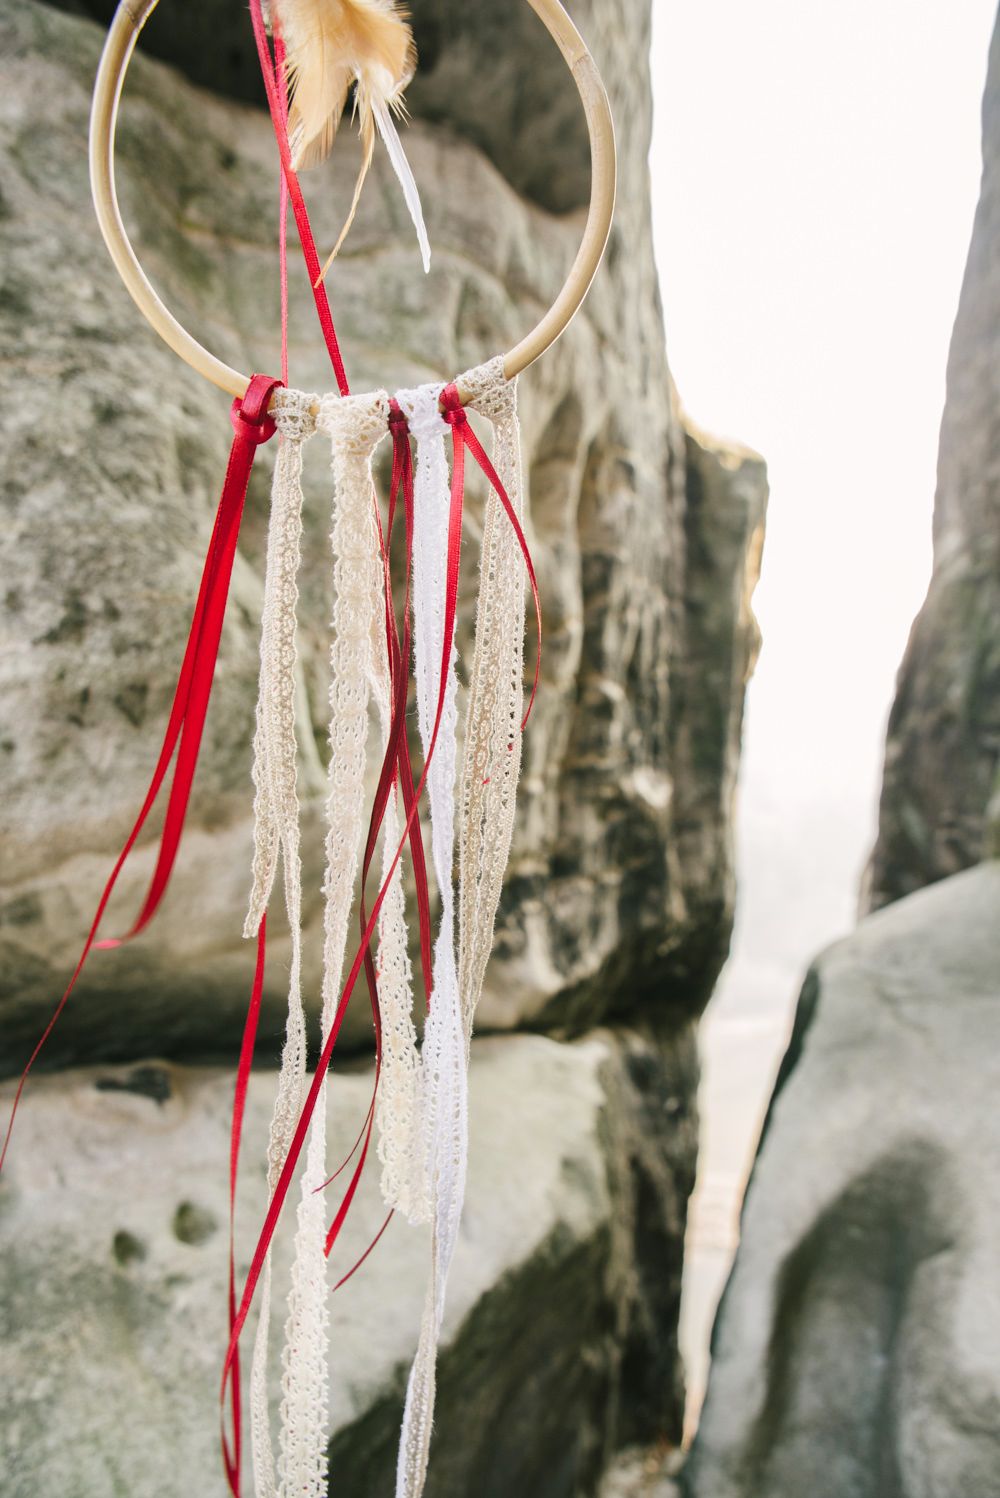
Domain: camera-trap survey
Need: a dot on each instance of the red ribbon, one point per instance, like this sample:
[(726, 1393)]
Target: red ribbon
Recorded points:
[(277, 103), (462, 437), (232, 1456), (252, 426)]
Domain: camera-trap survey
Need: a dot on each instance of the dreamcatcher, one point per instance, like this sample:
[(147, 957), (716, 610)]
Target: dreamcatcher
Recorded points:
[(312, 53)]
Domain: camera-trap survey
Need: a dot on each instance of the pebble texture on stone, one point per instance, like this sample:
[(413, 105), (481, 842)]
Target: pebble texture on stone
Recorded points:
[(856, 1347), (943, 743)]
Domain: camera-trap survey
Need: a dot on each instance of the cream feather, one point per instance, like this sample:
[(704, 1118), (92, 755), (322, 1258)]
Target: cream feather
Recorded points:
[(329, 45)]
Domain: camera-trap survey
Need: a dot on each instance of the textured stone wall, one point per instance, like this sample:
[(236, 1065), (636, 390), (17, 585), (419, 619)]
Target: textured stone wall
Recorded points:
[(943, 741), (856, 1347), (618, 904)]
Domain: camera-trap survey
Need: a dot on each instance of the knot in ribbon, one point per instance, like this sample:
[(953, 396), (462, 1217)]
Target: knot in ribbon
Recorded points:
[(397, 425), (249, 416), (453, 411)]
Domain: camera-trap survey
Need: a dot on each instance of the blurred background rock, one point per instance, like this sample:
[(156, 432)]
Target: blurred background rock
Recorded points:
[(857, 1345)]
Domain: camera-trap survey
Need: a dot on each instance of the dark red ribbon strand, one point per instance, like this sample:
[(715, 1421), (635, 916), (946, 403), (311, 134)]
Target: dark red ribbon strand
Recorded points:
[(252, 426), (232, 1456), (396, 767), (308, 243)]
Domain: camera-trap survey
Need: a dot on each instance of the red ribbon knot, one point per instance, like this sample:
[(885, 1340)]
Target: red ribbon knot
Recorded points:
[(453, 410), (250, 417)]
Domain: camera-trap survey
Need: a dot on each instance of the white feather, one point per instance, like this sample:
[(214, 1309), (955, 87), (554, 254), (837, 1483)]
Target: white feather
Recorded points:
[(331, 44), (401, 167)]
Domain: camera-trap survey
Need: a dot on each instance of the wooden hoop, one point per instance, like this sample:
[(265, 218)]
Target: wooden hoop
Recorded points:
[(128, 21)]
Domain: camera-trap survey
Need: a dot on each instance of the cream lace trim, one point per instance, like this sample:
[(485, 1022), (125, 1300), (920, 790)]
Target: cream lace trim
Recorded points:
[(355, 426), (276, 811), (421, 1103), (489, 779), (492, 760)]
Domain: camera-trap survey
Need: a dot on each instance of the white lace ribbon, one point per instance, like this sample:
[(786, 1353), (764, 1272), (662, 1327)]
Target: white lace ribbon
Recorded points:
[(444, 1103), (489, 779), (276, 832), (354, 425), (492, 757)]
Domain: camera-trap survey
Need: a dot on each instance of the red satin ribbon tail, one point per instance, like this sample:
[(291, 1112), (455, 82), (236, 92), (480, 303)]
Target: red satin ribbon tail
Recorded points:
[(252, 426), (345, 1277), (232, 1455), (278, 119)]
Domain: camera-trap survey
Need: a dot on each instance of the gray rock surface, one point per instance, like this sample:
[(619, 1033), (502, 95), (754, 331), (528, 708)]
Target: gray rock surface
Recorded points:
[(943, 739), (561, 1338), (490, 73), (113, 1258), (640, 1472), (857, 1348), (619, 896)]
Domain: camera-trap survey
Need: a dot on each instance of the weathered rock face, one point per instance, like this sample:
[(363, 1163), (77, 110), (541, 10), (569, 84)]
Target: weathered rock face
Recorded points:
[(113, 1215), (856, 1348), (944, 730), (492, 74), (561, 1343), (619, 893)]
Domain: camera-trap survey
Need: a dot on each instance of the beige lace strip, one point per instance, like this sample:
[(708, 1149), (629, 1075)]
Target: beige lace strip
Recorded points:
[(492, 760), (486, 817), (404, 1184), (276, 833), (355, 426)]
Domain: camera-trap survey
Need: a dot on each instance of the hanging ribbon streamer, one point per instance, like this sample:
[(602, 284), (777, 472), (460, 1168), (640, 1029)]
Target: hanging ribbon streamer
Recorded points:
[(305, 1397), (404, 1185), (444, 1099), (252, 426), (276, 834), (492, 756), (277, 101), (355, 425), (443, 1109)]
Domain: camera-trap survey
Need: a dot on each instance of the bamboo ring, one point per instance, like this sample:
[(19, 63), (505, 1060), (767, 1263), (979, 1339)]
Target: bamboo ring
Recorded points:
[(128, 21)]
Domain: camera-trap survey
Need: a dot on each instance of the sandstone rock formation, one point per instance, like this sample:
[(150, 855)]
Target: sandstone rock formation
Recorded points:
[(620, 887), (561, 1343), (944, 730), (113, 1219), (856, 1348)]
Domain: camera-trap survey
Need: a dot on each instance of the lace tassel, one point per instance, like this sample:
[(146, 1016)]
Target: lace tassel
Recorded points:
[(444, 1125), (492, 759), (355, 425), (276, 832)]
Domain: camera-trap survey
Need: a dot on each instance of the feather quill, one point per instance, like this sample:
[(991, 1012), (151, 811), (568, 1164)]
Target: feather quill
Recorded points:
[(329, 45)]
